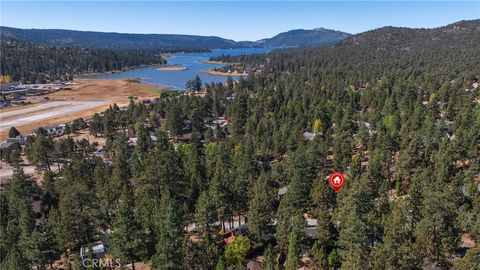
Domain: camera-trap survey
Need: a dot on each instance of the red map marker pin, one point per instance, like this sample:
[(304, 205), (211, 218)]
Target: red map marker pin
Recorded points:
[(336, 180)]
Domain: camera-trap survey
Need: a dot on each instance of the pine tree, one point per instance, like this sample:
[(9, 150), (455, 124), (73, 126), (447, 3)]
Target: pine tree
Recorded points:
[(170, 236), (126, 231), (174, 120), (42, 152), (205, 213), (319, 255), (469, 261), (220, 264), (397, 251), (239, 114), (219, 189), (14, 260), (259, 212), (293, 203), (13, 133), (294, 243), (437, 231), (268, 259)]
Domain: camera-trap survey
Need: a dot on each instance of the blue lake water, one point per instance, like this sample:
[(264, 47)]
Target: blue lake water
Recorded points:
[(177, 79)]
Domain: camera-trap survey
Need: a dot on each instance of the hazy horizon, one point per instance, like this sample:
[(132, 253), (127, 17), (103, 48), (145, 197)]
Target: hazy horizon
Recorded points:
[(232, 20)]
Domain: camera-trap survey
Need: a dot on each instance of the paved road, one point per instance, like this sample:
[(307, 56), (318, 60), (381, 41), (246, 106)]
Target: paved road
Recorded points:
[(44, 111)]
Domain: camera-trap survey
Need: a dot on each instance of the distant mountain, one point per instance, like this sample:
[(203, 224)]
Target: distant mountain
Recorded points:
[(101, 40), (165, 42), (305, 38)]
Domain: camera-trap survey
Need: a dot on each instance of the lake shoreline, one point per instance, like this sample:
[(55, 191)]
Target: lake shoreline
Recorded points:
[(174, 75), (172, 68), (221, 73)]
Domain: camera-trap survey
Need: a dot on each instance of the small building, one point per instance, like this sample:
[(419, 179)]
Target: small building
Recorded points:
[(55, 130), (282, 191), (254, 265), (9, 146), (311, 135), (99, 248), (220, 122), (4, 103), (20, 140)]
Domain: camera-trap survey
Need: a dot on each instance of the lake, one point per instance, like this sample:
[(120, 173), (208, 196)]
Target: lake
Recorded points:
[(177, 79)]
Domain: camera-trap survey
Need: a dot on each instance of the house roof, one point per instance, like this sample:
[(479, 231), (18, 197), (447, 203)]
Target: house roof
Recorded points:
[(253, 265), (282, 190), (7, 145)]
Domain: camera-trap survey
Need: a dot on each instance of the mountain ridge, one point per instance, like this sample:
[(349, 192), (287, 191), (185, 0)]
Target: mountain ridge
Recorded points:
[(309, 38), (165, 42)]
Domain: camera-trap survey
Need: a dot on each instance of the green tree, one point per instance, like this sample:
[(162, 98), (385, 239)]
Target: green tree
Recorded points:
[(42, 152), (220, 264), (13, 133), (260, 210), (197, 83), (293, 203), (436, 232), (126, 238), (236, 252), (269, 259), (170, 236), (239, 114), (469, 261), (294, 243), (397, 251), (205, 213), (175, 120)]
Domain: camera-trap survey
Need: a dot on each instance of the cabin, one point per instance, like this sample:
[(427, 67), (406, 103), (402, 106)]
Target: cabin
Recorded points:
[(55, 130), (282, 191), (20, 140), (9, 146), (311, 135), (99, 249), (254, 264), (219, 122)]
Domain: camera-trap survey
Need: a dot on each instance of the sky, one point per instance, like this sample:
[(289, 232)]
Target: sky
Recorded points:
[(237, 20)]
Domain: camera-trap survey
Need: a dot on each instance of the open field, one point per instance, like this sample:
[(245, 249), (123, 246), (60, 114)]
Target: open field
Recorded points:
[(110, 90), (83, 100)]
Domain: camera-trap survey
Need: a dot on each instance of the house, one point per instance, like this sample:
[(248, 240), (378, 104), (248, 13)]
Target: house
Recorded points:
[(282, 191), (4, 103), (131, 133), (311, 135), (220, 122), (37, 211), (20, 140), (55, 130), (254, 264), (101, 154), (99, 249), (9, 146)]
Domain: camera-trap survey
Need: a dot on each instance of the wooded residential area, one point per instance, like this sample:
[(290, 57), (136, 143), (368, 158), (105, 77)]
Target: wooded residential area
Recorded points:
[(396, 110)]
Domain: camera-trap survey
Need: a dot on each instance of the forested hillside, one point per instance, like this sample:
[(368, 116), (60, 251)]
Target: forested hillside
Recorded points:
[(30, 63), (102, 40), (387, 52), (400, 117), (304, 38)]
